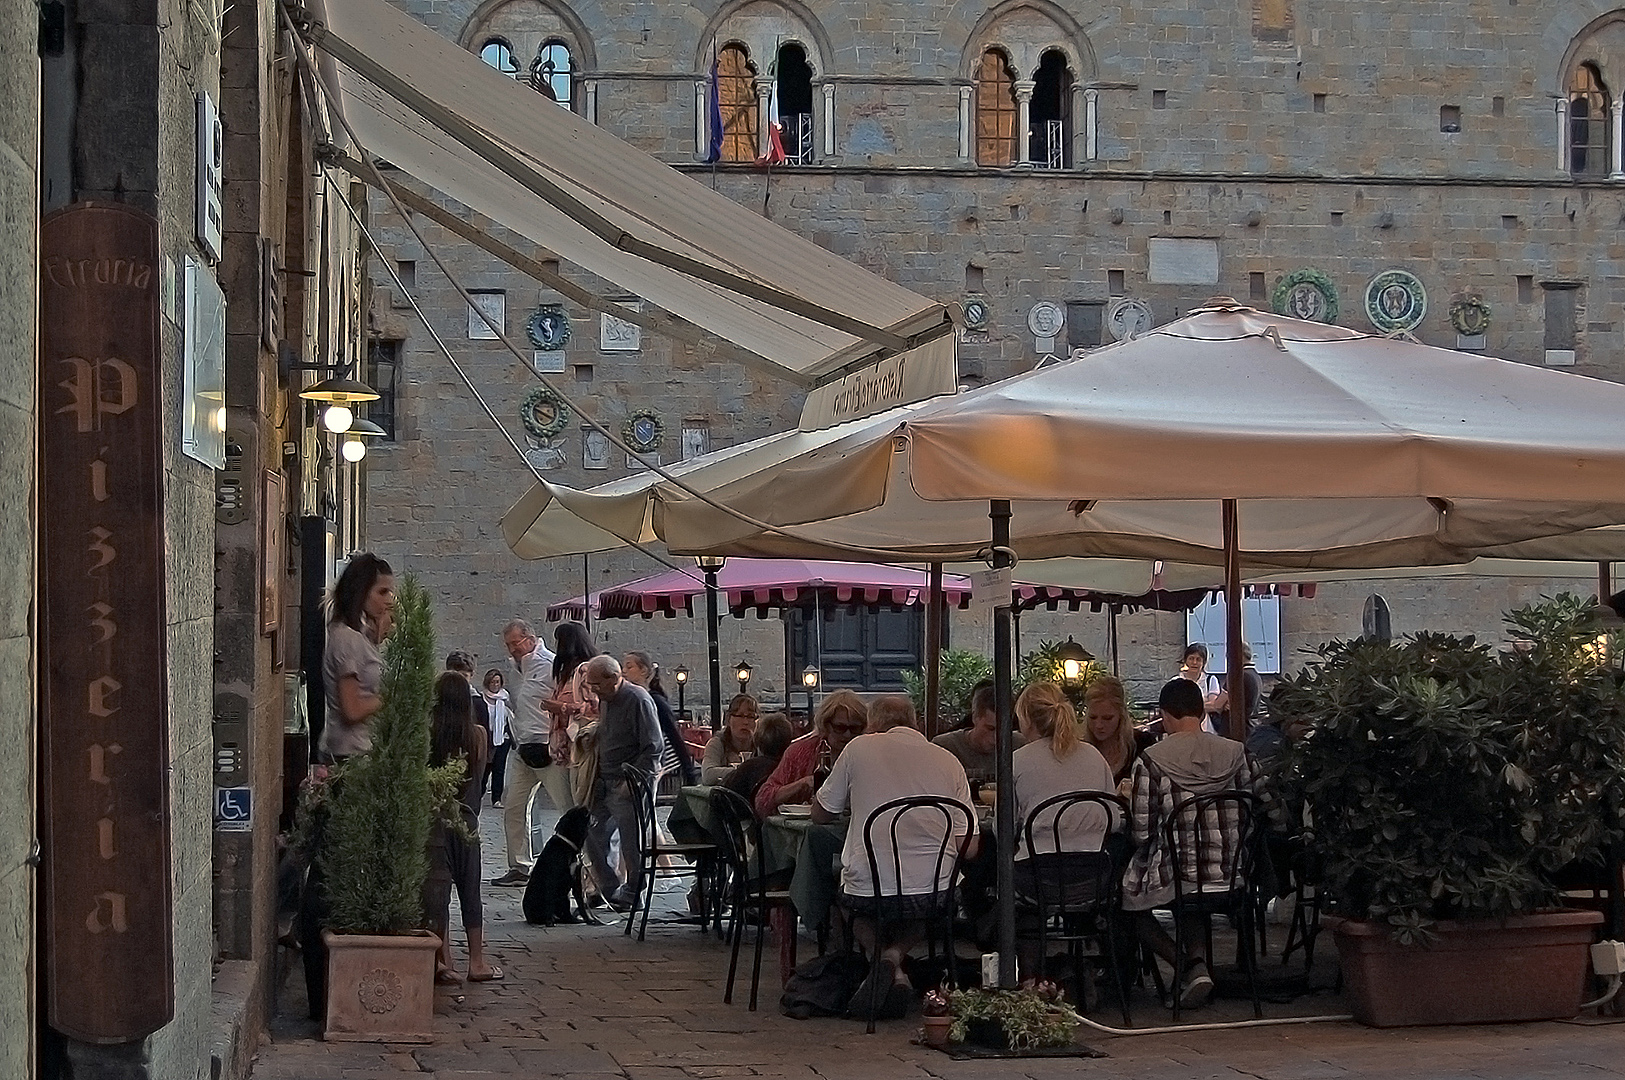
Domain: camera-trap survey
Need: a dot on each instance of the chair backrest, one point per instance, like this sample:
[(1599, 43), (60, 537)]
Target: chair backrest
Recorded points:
[(739, 831), (643, 798), (1211, 841), (935, 816), (1068, 878)]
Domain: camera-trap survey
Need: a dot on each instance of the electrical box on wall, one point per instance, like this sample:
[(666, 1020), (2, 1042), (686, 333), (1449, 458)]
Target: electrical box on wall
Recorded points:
[(210, 164)]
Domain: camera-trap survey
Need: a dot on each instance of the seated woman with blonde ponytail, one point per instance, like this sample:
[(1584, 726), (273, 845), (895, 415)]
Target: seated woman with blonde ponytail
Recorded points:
[(1055, 761)]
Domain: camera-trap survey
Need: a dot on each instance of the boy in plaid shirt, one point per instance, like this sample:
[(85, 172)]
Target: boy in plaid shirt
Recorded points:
[(1188, 761)]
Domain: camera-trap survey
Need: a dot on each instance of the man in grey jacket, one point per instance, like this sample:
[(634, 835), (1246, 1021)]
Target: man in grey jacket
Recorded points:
[(628, 734)]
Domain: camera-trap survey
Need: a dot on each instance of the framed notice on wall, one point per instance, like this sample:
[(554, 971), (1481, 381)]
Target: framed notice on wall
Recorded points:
[(273, 554)]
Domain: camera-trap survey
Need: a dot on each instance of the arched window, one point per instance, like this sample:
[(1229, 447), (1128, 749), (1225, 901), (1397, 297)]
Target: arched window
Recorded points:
[(736, 97), (550, 72), (793, 90), (499, 54), (1050, 113), (995, 110), (1589, 123)]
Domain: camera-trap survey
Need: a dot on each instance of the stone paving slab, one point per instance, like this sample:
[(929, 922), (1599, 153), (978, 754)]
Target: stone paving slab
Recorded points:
[(589, 1003)]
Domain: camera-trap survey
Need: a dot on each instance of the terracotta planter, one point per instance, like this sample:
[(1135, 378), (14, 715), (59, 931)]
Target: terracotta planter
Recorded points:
[(380, 989), (935, 1029), (1480, 971)]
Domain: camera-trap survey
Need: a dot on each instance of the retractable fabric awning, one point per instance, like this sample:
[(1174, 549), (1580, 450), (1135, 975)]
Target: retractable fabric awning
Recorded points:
[(441, 114)]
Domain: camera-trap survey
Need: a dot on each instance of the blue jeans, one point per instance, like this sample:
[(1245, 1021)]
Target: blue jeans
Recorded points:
[(612, 813)]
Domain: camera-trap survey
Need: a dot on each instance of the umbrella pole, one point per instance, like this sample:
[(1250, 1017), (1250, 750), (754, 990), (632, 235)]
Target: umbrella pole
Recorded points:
[(711, 632), (1605, 581), (586, 591), (1232, 622), (1111, 632), (933, 652), (1005, 804)]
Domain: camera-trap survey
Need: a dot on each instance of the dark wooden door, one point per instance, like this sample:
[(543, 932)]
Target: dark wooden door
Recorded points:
[(863, 648)]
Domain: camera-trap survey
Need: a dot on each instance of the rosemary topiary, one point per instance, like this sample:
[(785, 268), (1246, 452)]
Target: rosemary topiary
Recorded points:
[(380, 803)]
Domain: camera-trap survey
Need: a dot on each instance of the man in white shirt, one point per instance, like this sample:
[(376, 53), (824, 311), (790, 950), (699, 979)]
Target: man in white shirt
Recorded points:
[(529, 725), (892, 761)]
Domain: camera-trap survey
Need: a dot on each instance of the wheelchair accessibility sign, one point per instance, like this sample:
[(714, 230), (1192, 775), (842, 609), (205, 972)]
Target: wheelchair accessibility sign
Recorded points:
[(233, 809)]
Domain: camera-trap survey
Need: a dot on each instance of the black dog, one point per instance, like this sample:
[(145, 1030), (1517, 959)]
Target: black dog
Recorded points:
[(556, 877)]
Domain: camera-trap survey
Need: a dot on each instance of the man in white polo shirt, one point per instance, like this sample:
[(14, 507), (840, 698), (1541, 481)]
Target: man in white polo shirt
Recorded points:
[(891, 761)]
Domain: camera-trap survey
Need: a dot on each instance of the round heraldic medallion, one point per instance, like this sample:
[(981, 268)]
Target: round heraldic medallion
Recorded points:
[(1045, 319), (976, 313), (543, 413), (548, 328), (1470, 316), (1127, 318), (643, 431), (1306, 294), (1395, 300)]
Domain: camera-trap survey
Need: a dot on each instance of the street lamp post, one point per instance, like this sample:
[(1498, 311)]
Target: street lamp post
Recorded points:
[(680, 673), (742, 673), (712, 564), (1074, 658)]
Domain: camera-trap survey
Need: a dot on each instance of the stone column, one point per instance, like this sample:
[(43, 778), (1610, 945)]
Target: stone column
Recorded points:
[(1562, 135), (700, 120), (828, 119), (966, 146), (764, 105), (589, 100), (1616, 151), (1079, 144), (1091, 124), (1024, 111)]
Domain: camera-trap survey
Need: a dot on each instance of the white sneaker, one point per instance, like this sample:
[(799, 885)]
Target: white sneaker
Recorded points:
[(1197, 989)]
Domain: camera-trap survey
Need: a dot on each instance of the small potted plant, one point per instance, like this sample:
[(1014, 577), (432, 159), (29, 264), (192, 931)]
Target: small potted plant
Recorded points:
[(1445, 785), (936, 1018), (1033, 1017)]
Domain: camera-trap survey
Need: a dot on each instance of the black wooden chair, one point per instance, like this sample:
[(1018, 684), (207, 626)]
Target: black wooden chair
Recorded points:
[(935, 906), (1225, 824), (1075, 893), (655, 864), (740, 837)]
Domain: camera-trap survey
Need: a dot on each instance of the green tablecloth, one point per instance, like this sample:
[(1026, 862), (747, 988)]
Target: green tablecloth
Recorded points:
[(691, 820)]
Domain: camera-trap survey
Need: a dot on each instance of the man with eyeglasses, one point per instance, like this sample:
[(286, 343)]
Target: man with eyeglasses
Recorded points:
[(840, 718)]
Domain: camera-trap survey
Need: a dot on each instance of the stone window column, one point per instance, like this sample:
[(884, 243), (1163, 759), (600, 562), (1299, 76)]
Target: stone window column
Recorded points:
[(829, 119), (764, 104), (1616, 151), (1024, 108), (1562, 135), (589, 103), (1075, 116), (1091, 124), (700, 120), (965, 122)]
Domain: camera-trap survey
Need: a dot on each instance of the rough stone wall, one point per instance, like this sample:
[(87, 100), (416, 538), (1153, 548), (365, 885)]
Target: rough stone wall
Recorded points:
[(19, 241), (1209, 128)]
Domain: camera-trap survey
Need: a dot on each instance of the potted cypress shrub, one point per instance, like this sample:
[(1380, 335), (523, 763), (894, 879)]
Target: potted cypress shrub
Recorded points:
[(377, 811), (1444, 786)]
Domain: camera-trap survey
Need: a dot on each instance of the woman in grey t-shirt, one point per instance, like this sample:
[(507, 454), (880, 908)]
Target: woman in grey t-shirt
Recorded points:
[(362, 605)]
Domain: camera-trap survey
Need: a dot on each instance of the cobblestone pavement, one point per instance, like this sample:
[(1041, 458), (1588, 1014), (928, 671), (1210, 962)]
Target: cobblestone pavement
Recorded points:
[(589, 1003)]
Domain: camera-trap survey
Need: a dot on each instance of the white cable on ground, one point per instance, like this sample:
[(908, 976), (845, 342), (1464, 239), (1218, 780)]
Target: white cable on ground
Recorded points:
[(614, 438), (1613, 991), (1216, 1025)]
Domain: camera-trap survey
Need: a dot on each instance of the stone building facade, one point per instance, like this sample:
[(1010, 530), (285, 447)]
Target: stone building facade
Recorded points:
[(1287, 154)]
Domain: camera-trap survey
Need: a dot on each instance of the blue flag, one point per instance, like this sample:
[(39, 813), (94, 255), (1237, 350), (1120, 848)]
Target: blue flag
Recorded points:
[(713, 104)]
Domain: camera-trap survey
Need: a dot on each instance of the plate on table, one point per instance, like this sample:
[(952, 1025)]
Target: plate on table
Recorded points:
[(796, 810)]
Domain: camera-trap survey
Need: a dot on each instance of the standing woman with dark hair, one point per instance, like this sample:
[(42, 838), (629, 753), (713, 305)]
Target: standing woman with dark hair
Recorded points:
[(496, 701), (639, 669), (454, 861), (571, 707), (361, 610)]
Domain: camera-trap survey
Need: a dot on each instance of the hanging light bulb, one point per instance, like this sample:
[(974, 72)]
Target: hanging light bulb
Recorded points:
[(337, 419), (353, 450)]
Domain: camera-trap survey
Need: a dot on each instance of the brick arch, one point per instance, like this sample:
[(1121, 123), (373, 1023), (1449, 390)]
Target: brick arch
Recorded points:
[(575, 35), (731, 24), (998, 27)]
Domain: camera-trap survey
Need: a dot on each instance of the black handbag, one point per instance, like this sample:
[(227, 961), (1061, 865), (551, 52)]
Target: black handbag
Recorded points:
[(535, 754)]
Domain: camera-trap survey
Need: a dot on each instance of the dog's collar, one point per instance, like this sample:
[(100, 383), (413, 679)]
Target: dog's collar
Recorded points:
[(571, 844)]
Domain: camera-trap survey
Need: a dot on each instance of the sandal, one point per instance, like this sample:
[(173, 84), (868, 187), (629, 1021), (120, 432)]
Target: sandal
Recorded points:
[(494, 975), (444, 976)]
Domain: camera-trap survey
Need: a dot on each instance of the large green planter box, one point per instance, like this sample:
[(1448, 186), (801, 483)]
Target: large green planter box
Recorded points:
[(1482, 971)]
